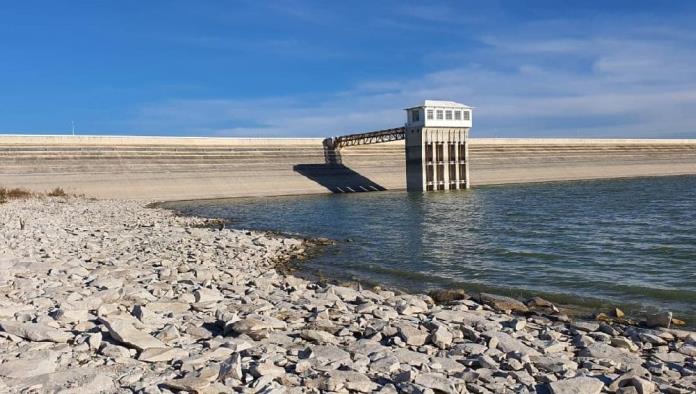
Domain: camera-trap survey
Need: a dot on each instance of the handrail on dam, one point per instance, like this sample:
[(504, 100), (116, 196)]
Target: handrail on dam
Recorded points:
[(372, 137)]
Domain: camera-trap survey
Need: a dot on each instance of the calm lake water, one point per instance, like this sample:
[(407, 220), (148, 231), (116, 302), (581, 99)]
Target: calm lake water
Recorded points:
[(628, 243)]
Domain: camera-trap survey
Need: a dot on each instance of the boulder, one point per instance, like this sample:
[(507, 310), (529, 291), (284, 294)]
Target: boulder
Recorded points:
[(349, 380), (231, 368), (435, 381), (635, 379), (124, 332), (318, 336), (624, 343), (35, 364), (662, 319), (35, 332), (442, 337), (208, 295), (606, 352), (507, 343), (578, 385), (413, 336), (266, 369), (502, 303), (327, 354), (154, 355)]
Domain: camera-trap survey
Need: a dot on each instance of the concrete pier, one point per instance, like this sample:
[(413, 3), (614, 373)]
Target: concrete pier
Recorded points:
[(436, 159), (177, 168)]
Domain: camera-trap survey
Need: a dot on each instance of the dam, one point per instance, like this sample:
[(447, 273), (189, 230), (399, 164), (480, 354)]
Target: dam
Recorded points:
[(180, 168), (431, 151)]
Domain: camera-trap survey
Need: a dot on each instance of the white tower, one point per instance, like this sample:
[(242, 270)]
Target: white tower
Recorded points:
[(437, 149)]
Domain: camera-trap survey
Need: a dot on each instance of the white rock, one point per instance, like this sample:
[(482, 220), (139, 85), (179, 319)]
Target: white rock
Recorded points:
[(208, 295), (413, 336), (318, 336), (579, 385), (231, 368), (442, 337), (507, 343), (153, 355), (38, 363), (35, 332), (436, 382), (624, 343), (124, 332)]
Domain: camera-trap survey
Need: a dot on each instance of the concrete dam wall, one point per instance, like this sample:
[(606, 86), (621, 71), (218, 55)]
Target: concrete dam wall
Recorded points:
[(177, 168)]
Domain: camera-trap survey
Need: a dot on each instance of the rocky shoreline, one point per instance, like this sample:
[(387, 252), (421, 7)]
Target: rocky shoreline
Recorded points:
[(113, 296)]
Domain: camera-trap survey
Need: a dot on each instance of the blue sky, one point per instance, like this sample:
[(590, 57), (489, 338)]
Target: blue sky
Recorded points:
[(320, 68)]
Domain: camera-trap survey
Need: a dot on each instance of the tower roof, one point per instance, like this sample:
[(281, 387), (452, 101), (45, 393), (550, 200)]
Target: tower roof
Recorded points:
[(439, 103)]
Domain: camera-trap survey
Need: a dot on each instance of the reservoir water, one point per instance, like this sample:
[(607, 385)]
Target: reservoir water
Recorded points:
[(628, 243)]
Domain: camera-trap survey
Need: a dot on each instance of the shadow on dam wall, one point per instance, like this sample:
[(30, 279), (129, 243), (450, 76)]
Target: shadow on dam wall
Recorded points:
[(335, 176)]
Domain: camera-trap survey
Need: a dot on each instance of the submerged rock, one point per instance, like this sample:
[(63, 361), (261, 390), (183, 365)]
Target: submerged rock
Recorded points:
[(502, 303), (662, 319)]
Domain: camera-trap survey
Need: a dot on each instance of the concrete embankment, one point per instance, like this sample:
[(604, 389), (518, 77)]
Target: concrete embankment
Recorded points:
[(187, 168)]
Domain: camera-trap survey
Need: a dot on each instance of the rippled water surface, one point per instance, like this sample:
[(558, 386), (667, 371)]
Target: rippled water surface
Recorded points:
[(628, 243)]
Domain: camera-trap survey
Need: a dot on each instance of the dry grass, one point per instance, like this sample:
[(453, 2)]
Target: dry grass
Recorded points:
[(13, 194), (57, 192), (18, 193)]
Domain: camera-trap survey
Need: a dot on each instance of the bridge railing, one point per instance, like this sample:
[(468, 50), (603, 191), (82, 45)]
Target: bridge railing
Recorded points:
[(372, 137)]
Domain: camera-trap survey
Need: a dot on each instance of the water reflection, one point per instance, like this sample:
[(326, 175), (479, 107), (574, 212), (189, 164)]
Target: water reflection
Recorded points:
[(621, 242)]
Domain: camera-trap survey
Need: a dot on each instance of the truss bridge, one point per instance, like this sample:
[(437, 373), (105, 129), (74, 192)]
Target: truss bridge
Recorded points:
[(372, 137)]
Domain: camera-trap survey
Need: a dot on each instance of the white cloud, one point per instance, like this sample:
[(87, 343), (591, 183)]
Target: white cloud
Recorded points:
[(631, 84)]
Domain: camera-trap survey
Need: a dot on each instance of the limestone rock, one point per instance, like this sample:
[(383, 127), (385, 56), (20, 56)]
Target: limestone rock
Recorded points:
[(192, 384), (503, 303), (318, 336), (662, 319), (231, 368), (208, 295), (436, 382), (624, 343), (35, 332), (94, 341), (507, 343), (153, 355), (36, 364), (633, 379), (114, 351), (124, 332), (349, 380), (255, 327), (579, 385), (412, 335), (266, 369), (442, 337), (325, 354), (607, 352)]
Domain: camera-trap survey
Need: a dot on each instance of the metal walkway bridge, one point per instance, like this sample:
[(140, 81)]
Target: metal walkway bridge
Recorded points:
[(372, 137)]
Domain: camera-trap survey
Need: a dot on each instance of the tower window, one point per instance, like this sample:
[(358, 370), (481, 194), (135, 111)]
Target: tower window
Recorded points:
[(467, 115), (457, 115), (415, 115), (439, 114), (448, 115), (430, 114)]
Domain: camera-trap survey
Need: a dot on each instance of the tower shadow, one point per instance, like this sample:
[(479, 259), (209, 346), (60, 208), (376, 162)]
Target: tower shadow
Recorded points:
[(335, 176)]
